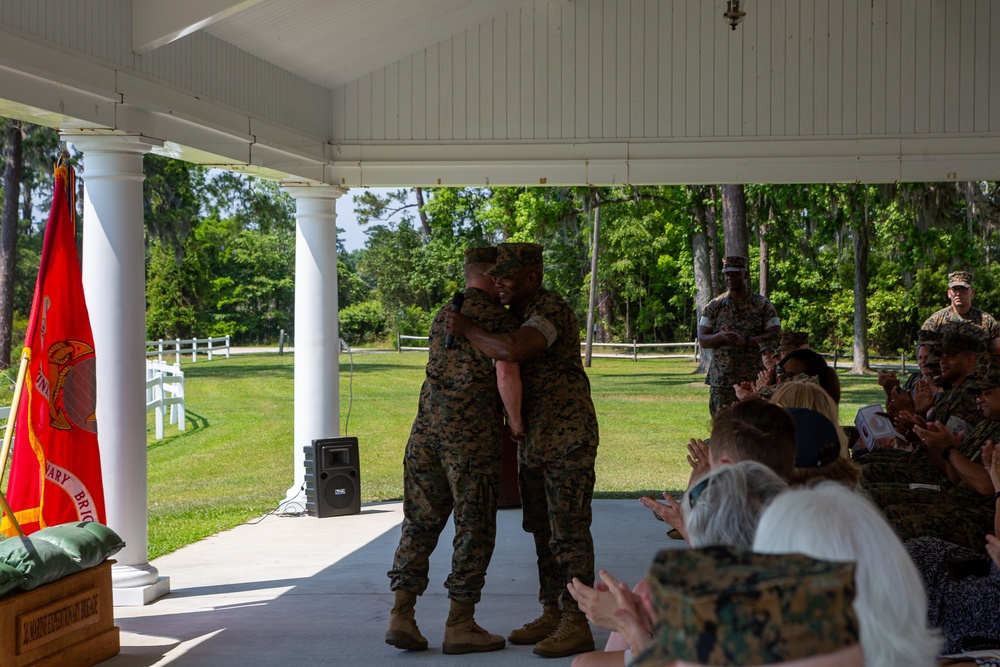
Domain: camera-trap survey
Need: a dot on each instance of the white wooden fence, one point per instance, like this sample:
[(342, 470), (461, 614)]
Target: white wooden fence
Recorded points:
[(165, 389), (630, 350), (191, 346)]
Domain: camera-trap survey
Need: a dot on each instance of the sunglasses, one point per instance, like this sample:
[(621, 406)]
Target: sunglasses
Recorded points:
[(696, 491)]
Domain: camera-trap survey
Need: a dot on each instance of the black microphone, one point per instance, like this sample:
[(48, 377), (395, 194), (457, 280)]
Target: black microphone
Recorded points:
[(456, 306)]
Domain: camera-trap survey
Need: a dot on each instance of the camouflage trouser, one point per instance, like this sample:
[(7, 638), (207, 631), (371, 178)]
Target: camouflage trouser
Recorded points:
[(555, 500), (955, 516), (720, 397), (436, 481), (909, 469)]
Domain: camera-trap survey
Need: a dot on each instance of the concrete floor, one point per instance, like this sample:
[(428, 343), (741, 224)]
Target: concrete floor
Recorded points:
[(290, 591)]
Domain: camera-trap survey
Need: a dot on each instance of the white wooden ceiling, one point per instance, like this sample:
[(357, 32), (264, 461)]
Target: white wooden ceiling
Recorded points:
[(463, 92), (333, 42)]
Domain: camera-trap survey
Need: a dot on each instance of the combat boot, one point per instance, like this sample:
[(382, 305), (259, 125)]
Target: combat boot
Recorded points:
[(572, 636), (403, 632), (538, 629), (463, 635)]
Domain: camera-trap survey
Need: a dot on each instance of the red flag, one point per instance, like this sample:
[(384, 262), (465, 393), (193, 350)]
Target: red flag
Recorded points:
[(55, 474)]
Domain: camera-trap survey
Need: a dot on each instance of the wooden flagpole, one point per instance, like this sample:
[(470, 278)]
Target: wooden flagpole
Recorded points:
[(16, 400)]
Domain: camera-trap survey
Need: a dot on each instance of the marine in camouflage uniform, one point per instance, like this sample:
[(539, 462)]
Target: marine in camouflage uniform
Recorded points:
[(955, 408), (728, 606), (733, 325), (961, 310), (452, 459), (556, 457), (958, 513)]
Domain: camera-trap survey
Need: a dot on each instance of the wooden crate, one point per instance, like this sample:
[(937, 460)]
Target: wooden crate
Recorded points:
[(66, 623)]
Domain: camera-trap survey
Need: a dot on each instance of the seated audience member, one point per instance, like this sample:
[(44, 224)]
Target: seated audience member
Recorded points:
[(722, 508), (961, 508), (901, 397), (955, 409), (831, 522), (725, 606), (818, 454), (963, 586), (808, 394), (812, 364), (751, 430)]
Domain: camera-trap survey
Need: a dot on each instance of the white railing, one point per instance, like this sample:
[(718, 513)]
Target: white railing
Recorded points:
[(191, 346), (165, 388), (402, 348), (632, 350)]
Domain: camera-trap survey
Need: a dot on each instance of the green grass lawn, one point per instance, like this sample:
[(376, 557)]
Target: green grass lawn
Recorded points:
[(234, 463)]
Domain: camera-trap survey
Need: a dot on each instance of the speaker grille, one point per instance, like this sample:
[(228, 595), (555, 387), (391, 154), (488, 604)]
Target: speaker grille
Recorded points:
[(339, 490)]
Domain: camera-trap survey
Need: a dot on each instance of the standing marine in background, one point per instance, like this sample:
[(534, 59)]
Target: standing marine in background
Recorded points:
[(733, 325)]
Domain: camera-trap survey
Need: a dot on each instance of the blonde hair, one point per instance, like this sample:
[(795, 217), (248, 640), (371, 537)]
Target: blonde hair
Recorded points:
[(808, 394)]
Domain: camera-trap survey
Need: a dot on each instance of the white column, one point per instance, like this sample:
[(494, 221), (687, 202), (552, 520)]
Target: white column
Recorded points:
[(316, 338), (114, 285)]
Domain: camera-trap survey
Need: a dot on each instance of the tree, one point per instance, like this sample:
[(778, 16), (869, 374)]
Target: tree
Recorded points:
[(734, 220), (13, 165)]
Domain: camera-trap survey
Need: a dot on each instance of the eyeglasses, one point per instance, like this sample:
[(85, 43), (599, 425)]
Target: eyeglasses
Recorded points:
[(959, 288), (696, 490)]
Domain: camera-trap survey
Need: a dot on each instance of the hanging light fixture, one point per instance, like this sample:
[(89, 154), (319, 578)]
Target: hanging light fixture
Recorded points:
[(734, 13)]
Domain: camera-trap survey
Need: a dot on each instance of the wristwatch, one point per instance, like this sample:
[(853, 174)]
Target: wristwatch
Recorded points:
[(946, 452)]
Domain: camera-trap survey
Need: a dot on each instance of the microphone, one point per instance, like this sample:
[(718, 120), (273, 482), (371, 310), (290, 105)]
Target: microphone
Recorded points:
[(456, 306)]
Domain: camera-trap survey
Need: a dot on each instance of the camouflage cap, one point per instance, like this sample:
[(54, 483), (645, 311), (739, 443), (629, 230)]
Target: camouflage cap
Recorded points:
[(734, 263), (987, 376), (792, 340), (481, 255), (513, 257), (768, 345), (962, 278), (728, 606), (960, 338), (928, 337)]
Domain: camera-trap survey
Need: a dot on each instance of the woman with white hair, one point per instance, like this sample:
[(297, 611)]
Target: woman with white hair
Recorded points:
[(831, 522), (721, 508)]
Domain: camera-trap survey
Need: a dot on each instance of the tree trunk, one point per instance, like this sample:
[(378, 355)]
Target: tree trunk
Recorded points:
[(734, 220), (703, 290), (712, 232), (765, 255), (8, 235), (425, 223), (860, 235)]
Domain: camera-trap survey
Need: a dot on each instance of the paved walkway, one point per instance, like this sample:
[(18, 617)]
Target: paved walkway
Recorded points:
[(294, 591)]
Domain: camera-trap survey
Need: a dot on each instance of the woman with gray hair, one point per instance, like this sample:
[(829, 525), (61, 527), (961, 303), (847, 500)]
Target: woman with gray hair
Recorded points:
[(721, 508), (831, 522)]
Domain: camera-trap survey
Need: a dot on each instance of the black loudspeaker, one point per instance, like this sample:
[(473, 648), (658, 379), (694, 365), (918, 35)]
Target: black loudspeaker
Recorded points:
[(333, 479)]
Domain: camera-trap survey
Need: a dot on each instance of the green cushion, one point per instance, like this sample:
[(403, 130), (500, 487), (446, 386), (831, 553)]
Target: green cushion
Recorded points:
[(86, 547), (10, 579), (111, 543), (39, 561)]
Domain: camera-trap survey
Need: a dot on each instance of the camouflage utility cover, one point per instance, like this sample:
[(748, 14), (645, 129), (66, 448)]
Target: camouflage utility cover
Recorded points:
[(558, 412), (514, 257), (728, 606), (732, 364)]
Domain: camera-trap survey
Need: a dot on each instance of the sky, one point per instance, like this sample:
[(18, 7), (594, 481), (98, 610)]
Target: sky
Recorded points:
[(354, 235)]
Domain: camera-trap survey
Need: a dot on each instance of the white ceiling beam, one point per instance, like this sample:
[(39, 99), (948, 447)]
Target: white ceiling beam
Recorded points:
[(156, 23)]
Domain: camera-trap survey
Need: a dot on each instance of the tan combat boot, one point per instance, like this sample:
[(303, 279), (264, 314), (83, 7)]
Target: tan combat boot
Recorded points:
[(463, 635), (572, 636), (403, 632), (538, 629)]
